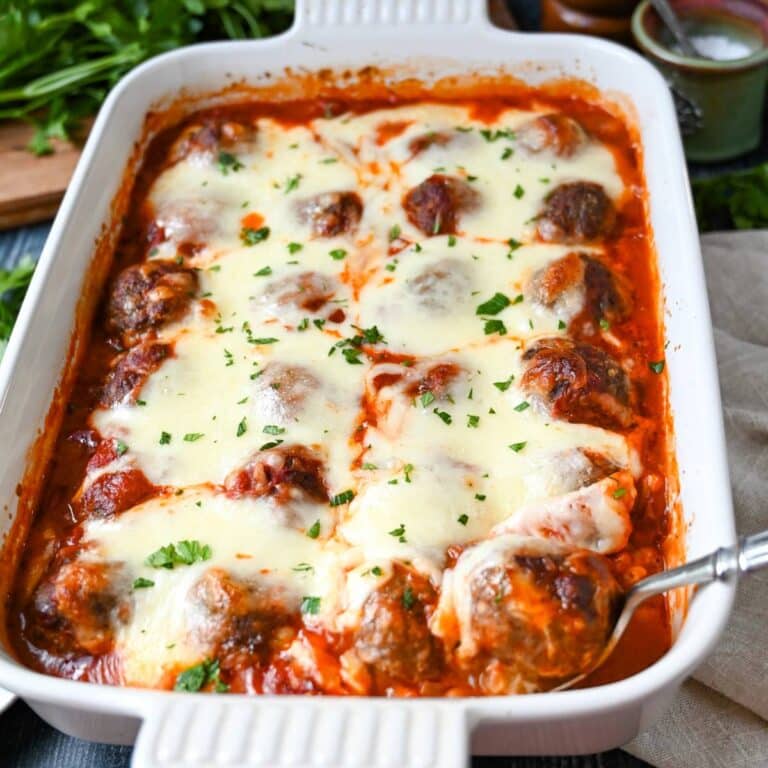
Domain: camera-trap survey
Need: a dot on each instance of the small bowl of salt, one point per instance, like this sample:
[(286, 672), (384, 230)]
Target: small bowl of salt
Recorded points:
[(720, 93)]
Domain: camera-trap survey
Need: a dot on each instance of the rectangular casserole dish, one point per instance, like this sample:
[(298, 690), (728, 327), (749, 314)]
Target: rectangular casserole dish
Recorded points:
[(418, 39)]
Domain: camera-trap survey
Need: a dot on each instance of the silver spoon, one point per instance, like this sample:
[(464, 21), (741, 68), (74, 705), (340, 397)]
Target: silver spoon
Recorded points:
[(750, 554), (671, 19)]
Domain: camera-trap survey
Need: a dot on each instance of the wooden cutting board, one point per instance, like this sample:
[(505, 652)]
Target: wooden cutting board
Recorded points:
[(31, 187)]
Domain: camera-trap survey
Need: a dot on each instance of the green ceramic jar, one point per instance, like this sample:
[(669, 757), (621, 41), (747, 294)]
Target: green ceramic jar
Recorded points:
[(720, 100)]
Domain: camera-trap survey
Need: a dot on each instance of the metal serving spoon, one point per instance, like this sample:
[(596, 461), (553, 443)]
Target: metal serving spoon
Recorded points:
[(671, 19), (750, 554)]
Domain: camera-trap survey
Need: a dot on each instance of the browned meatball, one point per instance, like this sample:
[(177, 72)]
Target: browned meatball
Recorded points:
[(127, 377), (393, 636), (188, 224), (555, 132), (577, 382), (435, 205), (286, 473), (423, 142), (441, 287), (238, 619), (209, 137), (332, 213), (114, 492), (579, 283), (79, 606), (309, 291), (146, 296), (281, 391), (576, 212), (542, 617)]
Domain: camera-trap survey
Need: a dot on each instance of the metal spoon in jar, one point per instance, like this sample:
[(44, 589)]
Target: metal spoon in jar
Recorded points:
[(750, 554), (671, 19)]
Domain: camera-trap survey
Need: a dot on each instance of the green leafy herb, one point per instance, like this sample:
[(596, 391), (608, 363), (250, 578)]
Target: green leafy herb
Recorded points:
[(520, 407), (619, 492), (242, 427), (519, 192), (13, 283), (561, 325), (394, 232), (473, 421), (165, 438), (503, 386), (657, 367), (120, 447), (368, 466), (733, 200), (408, 598), (444, 416), (480, 496), (263, 272), (342, 498), (195, 678), (517, 447), (270, 444), (407, 470), (251, 236), (507, 153), (294, 247), (314, 530), (193, 437), (399, 533), (263, 340), (426, 398), (463, 519), (491, 136), (273, 429), (303, 568), (494, 326), (337, 254), (604, 324), (142, 583), (292, 183), (310, 604), (451, 241), (185, 552), (228, 162), (494, 305)]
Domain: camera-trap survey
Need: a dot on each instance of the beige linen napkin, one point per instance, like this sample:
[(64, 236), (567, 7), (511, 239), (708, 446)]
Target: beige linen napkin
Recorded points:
[(720, 718)]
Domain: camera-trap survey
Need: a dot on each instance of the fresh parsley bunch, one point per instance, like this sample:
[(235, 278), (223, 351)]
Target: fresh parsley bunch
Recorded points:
[(13, 286), (733, 201), (59, 58)]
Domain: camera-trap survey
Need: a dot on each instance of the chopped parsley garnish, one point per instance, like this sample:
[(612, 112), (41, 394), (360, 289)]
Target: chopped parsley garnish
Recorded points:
[(263, 272), (446, 417), (513, 246), (251, 236), (165, 438), (120, 447), (517, 447), (394, 232), (294, 247), (352, 355), (337, 254), (657, 367), (329, 160), (318, 323), (416, 248), (451, 241), (141, 402), (464, 128), (463, 519), (368, 466), (193, 437), (491, 136), (372, 335), (314, 530), (242, 427), (561, 325), (303, 325), (303, 568), (310, 604), (503, 386), (193, 679), (185, 552), (229, 358), (494, 326), (142, 583), (266, 340), (518, 299), (399, 533), (407, 469), (480, 496), (392, 266), (473, 420), (519, 192), (408, 598), (270, 444), (604, 324), (376, 570), (619, 492), (342, 498), (228, 162), (494, 305), (292, 182), (507, 153), (520, 407), (273, 429), (426, 398)]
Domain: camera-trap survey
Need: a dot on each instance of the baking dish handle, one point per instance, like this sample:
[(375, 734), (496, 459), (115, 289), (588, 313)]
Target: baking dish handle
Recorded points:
[(316, 16), (192, 731)]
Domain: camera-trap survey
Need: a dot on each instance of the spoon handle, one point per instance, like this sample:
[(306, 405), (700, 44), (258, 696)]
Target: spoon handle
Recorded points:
[(753, 552), (670, 18)]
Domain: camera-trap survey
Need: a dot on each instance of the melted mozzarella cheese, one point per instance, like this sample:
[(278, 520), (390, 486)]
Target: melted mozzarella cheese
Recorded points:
[(424, 476)]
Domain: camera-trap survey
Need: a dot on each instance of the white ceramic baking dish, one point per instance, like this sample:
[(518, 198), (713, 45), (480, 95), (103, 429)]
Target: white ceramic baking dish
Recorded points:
[(423, 37)]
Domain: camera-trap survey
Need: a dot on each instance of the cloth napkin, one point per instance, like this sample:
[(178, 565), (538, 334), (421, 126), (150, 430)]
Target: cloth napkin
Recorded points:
[(720, 718)]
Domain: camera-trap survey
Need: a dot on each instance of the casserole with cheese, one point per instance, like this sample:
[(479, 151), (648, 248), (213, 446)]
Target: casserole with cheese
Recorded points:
[(374, 404)]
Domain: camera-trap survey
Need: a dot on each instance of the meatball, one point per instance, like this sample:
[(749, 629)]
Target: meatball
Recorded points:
[(594, 517), (238, 619), (577, 382), (435, 205), (441, 287), (285, 473), (281, 391), (332, 213), (576, 212), (529, 613), (189, 224), (132, 369), (208, 137), (308, 291), (553, 132), (146, 296), (113, 492), (578, 283), (393, 636), (436, 378), (79, 606)]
